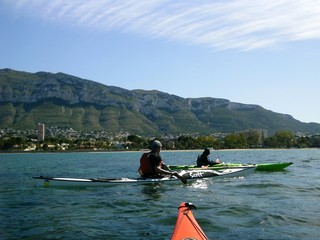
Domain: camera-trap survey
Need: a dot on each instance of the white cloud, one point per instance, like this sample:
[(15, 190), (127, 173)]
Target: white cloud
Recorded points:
[(238, 24)]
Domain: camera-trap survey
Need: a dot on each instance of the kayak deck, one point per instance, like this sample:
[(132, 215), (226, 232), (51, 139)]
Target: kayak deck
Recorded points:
[(57, 181), (186, 226), (273, 166), (259, 167), (209, 173)]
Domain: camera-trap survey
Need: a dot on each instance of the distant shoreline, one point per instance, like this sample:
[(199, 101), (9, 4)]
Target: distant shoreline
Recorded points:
[(145, 150)]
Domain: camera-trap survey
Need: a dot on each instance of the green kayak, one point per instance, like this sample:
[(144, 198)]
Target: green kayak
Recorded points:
[(260, 166)]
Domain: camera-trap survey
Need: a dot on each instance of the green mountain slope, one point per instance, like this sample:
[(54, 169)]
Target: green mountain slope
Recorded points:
[(64, 100)]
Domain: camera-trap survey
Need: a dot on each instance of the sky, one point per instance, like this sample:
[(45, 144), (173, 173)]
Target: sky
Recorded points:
[(262, 52)]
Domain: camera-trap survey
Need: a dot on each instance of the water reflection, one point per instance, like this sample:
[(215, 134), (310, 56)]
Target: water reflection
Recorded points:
[(152, 191)]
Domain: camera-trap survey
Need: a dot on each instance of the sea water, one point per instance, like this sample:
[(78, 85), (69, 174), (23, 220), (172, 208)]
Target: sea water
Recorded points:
[(263, 205)]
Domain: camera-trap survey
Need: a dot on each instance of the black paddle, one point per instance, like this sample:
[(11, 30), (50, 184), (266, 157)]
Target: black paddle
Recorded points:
[(182, 179)]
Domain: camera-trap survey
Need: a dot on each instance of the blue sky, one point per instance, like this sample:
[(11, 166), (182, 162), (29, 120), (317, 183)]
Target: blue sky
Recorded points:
[(262, 52)]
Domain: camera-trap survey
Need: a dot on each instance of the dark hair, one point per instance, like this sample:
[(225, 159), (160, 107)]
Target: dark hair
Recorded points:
[(206, 151)]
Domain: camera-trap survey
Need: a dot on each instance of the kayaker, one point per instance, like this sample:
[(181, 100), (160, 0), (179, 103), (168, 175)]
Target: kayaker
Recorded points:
[(152, 165), (203, 160)]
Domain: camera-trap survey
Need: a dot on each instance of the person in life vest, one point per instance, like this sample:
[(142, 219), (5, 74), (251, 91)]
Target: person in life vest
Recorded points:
[(203, 160), (152, 166)]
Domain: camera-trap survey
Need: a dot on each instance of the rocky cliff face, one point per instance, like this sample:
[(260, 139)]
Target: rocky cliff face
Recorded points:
[(41, 86), (81, 103), (72, 90)]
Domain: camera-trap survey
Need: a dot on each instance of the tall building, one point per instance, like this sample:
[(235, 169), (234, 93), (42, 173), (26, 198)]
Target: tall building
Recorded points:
[(41, 130)]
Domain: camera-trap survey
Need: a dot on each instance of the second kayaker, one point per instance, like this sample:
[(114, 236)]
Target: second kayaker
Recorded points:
[(203, 160)]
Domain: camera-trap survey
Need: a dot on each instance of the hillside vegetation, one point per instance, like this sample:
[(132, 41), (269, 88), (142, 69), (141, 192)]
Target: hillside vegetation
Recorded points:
[(68, 101)]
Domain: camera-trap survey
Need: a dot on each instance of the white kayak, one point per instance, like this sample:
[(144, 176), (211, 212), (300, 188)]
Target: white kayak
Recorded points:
[(190, 175)]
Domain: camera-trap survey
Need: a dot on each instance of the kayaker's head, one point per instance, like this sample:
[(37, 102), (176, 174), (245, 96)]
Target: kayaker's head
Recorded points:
[(156, 146), (206, 152)]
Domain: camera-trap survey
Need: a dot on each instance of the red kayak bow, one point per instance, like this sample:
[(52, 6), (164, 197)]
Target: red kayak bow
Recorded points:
[(186, 225)]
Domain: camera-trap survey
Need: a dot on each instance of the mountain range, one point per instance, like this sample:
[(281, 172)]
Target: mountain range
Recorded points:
[(59, 99)]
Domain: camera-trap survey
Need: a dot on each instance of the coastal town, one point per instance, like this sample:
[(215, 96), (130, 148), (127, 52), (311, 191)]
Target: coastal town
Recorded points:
[(67, 139)]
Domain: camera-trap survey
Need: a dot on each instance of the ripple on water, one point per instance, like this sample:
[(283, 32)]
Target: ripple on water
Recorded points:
[(263, 205)]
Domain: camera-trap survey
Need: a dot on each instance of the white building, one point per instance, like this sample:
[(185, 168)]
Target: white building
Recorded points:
[(41, 130)]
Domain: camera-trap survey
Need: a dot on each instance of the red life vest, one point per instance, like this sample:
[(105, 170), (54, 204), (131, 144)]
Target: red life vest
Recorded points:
[(145, 168)]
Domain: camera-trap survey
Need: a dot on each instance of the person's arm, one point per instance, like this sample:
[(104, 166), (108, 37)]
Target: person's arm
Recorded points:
[(165, 167), (210, 161), (176, 174), (213, 161), (158, 164), (162, 171)]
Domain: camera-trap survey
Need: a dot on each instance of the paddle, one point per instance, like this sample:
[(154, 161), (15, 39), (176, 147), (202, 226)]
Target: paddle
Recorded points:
[(182, 179), (176, 174)]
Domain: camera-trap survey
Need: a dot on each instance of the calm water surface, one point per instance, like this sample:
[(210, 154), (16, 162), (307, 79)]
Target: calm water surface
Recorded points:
[(264, 205)]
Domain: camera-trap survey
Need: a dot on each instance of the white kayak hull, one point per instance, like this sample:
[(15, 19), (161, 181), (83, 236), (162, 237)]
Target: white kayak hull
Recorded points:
[(222, 173), (56, 181), (190, 175)]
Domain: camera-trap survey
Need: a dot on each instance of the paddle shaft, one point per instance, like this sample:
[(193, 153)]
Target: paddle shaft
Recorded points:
[(182, 179)]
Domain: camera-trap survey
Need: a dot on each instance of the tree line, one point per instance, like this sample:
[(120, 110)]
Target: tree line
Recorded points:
[(282, 139)]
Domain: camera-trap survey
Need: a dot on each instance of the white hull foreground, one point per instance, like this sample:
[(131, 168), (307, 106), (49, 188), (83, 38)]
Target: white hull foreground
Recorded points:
[(190, 175)]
